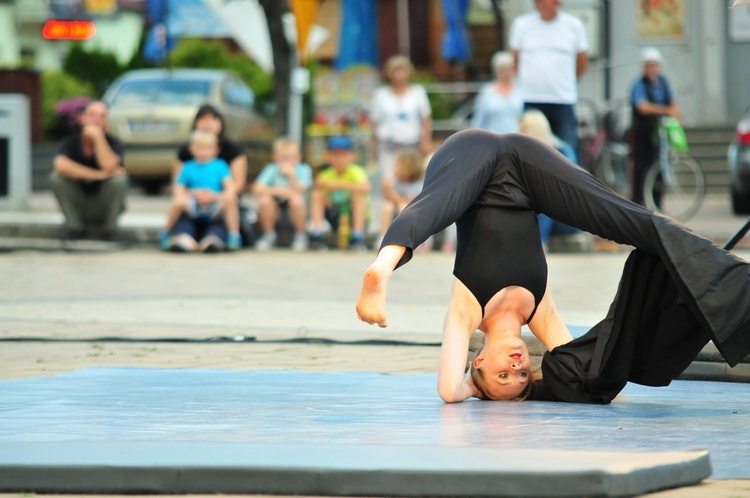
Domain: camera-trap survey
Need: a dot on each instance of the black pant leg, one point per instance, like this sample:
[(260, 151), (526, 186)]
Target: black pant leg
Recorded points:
[(459, 173), (565, 192), (516, 172)]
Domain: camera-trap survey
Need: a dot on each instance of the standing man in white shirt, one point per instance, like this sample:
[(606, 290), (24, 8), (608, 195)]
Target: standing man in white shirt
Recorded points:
[(551, 52)]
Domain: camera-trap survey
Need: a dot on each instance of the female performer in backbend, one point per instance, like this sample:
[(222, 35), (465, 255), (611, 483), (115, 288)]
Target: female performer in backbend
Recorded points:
[(678, 290)]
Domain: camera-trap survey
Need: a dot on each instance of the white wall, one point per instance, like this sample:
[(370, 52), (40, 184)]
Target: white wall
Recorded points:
[(9, 51), (738, 64), (695, 65), (709, 74)]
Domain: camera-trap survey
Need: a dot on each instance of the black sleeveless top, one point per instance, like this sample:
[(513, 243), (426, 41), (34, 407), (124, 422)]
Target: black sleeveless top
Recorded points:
[(498, 248)]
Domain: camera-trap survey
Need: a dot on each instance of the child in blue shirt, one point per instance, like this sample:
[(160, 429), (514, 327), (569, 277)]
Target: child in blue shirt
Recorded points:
[(204, 190), (283, 184)]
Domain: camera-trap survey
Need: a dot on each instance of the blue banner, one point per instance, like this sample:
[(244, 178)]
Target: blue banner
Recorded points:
[(455, 46), (156, 11), (358, 43), (158, 44)]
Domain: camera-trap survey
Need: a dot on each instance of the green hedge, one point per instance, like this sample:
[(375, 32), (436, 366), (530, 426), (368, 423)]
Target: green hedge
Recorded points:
[(58, 86), (97, 67)]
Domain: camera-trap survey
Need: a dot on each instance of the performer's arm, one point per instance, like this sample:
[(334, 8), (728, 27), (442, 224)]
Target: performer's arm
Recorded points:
[(547, 325), (461, 320)]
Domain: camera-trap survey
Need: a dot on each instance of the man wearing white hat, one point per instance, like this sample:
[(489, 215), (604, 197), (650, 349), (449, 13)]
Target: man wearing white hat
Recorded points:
[(651, 98)]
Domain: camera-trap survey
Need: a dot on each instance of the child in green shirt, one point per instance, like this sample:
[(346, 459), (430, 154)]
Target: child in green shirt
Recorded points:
[(341, 189)]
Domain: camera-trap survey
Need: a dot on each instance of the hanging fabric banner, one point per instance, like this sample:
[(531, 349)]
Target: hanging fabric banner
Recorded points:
[(455, 45), (359, 38)]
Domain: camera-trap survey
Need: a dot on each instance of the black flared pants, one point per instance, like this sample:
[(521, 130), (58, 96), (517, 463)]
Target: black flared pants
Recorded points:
[(516, 172)]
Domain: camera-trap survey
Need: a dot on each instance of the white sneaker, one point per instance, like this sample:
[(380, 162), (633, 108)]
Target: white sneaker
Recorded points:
[(212, 243), (182, 243), (266, 242), (299, 243)]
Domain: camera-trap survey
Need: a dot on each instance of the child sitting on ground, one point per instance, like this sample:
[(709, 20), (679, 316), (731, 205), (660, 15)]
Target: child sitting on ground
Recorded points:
[(341, 189), (283, 185), (204, 191), (400, 188)]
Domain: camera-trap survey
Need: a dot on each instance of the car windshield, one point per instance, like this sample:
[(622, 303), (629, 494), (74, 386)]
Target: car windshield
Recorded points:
[(162, 92)]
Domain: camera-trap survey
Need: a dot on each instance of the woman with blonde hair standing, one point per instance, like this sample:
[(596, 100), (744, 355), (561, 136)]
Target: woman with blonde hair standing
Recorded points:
[(499, 104), (401, 115)]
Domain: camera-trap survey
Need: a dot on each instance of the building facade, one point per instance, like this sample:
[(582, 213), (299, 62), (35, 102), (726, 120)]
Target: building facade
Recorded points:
[(706, 45)]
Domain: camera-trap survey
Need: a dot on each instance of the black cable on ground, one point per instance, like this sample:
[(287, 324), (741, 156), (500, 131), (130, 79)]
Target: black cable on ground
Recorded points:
[(227, 339)]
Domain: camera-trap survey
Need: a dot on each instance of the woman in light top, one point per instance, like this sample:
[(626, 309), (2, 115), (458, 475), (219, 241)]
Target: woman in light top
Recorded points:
[(401, 114), (499, 105)]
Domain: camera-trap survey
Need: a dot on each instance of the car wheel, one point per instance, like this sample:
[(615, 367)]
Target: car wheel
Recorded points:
[(152, 187), (740, 203)]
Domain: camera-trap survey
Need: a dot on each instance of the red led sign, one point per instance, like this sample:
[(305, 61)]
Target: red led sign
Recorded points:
[(68, 30)]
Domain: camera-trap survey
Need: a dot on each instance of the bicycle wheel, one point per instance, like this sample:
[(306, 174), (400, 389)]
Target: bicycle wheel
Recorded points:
[(612, 167), (680, 192)]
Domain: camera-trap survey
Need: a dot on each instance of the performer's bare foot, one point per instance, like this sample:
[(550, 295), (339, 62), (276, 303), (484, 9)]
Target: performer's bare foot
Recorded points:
[(371, 302)]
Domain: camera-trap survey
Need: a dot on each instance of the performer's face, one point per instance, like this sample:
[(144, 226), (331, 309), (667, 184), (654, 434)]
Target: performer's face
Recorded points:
[(506, 369)]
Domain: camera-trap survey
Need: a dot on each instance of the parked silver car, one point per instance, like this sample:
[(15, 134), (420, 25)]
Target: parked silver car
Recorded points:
[(152, 111), (739, 166)]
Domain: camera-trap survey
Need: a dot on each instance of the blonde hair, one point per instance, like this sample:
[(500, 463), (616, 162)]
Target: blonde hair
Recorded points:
[(284, 143), (397, 62), (410, 165), (534, 124), (501, 60)]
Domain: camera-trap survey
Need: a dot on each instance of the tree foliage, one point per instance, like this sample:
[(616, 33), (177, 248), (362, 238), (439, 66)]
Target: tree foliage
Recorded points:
[(214, 54), (56, 88), (96, 67)]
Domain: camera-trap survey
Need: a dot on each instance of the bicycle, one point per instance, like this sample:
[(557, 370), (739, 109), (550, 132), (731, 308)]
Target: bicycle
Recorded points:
[(675, 184), (604, 149)]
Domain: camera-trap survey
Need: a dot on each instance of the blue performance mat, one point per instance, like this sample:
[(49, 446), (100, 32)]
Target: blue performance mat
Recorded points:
[(344, 433)]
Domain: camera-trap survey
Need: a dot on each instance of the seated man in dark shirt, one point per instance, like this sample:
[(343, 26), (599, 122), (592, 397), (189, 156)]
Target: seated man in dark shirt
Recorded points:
[(89, 180)]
